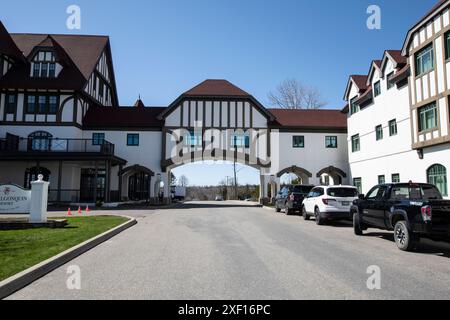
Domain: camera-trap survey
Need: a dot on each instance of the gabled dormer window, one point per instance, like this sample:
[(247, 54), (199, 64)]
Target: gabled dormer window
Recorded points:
[(390, 84), (44, 65), (377, 89), (354, 107)]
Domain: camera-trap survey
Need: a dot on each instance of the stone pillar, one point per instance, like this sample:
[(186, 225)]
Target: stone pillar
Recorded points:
[(165, 179), (39, 200), (275, 188), (263, 190)]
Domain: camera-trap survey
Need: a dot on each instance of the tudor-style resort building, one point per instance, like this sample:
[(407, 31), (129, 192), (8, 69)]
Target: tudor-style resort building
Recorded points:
[(398, 113), (60, 117)]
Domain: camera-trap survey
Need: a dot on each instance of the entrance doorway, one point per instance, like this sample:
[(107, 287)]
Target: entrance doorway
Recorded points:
[(90, 189)]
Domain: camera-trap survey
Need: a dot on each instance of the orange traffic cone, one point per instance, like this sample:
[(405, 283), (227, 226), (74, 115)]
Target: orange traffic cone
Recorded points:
[(79, 210), (69, 213), (87, 209)]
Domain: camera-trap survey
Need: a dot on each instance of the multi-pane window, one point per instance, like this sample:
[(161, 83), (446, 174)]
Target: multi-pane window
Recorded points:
[(381, 179), (331, 142), (52, 104), (42, 104), (428, 117), (393, 127), (390, 83), (377, 89), (44, 65), (51, 70), (37, 70), (40, 141), (356, 146), (437, 175), (31, 104), (11, 103), (395, 178), (425, 60), (298, 141), (379, 132), (354, 107), (133, 139), (193, 138), (98, 138), (240, 140), (357, 182), (44, 70)]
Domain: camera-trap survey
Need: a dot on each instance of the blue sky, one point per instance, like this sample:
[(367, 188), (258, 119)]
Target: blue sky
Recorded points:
[(162, 48)]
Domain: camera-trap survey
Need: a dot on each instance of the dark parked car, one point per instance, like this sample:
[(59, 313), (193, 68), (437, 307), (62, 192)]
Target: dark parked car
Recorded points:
[(290, 198), (411, 210)]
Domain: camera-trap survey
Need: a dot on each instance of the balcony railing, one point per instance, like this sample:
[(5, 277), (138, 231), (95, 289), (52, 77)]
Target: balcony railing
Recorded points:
[(54, 145)]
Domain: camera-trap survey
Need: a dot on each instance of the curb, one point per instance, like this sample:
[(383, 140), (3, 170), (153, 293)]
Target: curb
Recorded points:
[(26, 277)]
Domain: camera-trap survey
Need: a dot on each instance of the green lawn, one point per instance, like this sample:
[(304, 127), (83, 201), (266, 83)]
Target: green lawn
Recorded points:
[(21, 249)]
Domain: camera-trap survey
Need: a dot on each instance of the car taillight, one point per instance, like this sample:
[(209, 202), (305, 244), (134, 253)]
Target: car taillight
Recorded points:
[(327, 201), (426, 213), (292, 197)]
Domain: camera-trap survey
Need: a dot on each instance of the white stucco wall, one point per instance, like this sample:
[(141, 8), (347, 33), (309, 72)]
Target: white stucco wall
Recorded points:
[(313, 157)]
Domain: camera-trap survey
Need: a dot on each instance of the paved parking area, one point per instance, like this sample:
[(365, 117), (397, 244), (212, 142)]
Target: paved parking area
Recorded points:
[(234, 250)]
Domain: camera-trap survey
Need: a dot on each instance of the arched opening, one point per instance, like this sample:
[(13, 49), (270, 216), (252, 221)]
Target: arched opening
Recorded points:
[(40, 141), (211, 180), (437, 175), (331, 176), (31, 174), (137, 182), (294, 175)]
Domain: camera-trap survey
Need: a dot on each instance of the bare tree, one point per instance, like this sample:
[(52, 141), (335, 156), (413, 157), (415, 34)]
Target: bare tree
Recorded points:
[(183, 181), (292, 94)]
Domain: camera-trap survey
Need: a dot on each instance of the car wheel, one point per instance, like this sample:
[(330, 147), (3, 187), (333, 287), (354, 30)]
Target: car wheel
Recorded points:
[(404, 238), (319, 220), (305, 214), (277, 209), (357, 224)]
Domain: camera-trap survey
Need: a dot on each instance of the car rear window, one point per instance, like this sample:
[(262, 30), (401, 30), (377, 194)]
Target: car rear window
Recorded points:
[(407, 192), (342, 192), (302, 189)]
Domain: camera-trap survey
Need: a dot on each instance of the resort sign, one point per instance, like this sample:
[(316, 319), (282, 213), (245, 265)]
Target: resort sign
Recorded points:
[(14, 199)]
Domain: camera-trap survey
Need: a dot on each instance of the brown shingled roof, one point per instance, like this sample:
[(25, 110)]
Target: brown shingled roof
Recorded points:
[(360, 81), (83, 50), (78, 54), (313, 119), (397, 56), (122, 117), (7, 45), (216, 88)]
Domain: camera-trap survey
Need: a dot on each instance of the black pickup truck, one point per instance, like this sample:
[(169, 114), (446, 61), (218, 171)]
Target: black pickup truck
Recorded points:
[(290, 198), (411, 210)]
